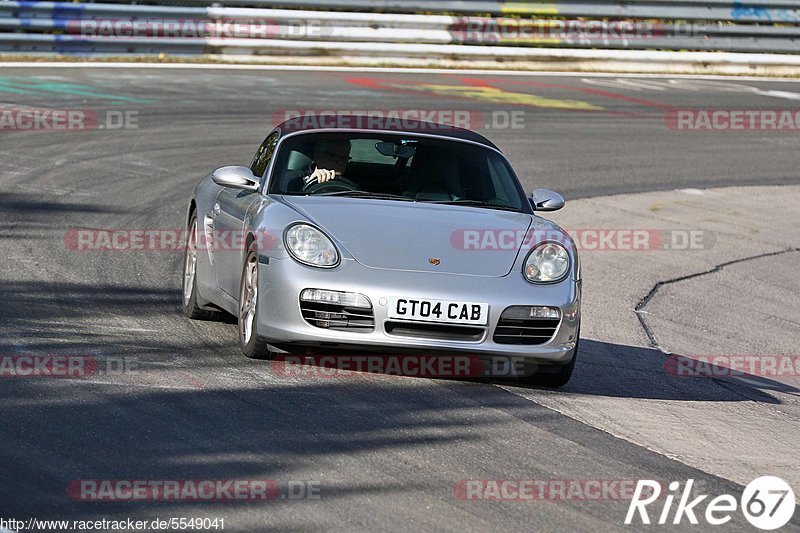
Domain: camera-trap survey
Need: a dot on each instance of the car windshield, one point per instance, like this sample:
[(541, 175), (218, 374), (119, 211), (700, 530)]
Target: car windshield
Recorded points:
[(395, 167)]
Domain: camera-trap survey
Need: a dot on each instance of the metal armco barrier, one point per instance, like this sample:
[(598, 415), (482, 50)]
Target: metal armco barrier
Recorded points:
[(769, 11), (487, 30)]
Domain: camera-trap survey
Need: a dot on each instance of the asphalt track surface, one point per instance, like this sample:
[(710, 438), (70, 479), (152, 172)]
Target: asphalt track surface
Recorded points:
[(386, 452)]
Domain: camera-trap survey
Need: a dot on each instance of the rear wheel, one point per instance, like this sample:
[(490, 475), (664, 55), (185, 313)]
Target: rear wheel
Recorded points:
[(252, 345), (554, 377), (190, 307)]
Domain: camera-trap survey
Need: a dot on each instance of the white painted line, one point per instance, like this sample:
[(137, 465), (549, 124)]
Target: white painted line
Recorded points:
[(384, 70), (781, 94)]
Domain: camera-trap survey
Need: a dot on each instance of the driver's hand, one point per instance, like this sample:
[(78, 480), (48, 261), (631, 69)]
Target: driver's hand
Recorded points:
[(320, 175)]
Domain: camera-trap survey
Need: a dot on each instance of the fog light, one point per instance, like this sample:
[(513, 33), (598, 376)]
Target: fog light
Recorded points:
[(544, 312), (525, 311), (345, 299)]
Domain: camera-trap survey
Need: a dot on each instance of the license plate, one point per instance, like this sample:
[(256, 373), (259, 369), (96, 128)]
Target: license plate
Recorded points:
[(439, 311)]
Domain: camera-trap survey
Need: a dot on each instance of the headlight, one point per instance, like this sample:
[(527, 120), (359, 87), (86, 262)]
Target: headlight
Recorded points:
[(310, 246), (547, 263)]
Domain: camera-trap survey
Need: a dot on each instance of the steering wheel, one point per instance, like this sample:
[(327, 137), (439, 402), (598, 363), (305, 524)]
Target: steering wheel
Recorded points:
[(337, 184)]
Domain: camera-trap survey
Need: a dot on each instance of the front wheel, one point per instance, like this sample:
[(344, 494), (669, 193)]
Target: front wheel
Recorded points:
[(252, 345), (554, 379)]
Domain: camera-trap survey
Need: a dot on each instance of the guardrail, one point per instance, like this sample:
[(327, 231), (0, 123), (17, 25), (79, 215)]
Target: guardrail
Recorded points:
[(765, 11), (516, 31)]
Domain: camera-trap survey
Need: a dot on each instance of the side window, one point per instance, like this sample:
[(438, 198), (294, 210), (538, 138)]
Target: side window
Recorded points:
[(264, 155), (502, 183), (497, 183)]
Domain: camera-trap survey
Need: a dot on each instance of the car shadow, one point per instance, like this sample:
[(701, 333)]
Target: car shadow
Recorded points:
[(616, 370), (602, 369)]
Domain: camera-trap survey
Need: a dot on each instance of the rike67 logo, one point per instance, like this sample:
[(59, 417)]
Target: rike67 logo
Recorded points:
[(767, 502)]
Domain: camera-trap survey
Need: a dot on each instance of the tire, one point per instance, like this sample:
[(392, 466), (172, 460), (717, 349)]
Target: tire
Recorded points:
[(189, 285), (251, 344), (556, 379)]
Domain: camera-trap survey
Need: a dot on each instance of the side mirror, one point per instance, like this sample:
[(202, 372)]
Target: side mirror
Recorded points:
[(546, 200), (236, 178)]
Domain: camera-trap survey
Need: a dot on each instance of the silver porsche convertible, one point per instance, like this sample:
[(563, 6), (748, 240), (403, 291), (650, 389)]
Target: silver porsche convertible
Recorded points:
[(376, 240)]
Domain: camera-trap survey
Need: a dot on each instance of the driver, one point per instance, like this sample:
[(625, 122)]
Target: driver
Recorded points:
[(330, 161)]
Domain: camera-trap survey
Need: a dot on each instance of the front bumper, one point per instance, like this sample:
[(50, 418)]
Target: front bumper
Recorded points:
[(281, 322)]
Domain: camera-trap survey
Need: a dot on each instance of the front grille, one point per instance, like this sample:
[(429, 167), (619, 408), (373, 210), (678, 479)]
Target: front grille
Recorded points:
[(433, 331), (529, 331), (335, 316)]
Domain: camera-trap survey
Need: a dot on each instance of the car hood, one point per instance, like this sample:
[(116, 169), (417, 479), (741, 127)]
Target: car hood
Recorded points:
[(392, 235)]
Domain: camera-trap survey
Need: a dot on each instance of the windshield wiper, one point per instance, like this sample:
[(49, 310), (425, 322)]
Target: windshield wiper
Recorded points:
[(476, 203), (368, 195)]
